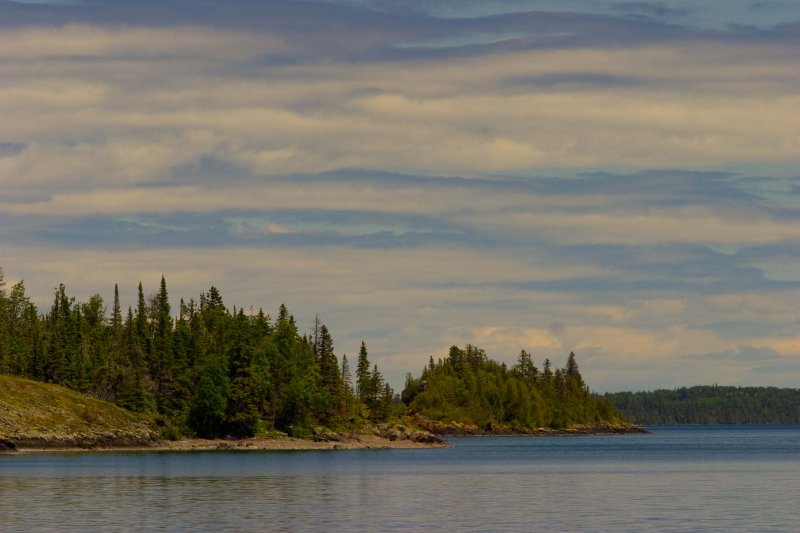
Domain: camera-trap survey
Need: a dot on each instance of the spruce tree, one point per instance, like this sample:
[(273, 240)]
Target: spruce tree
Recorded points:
[(170, 397), (330, 377), (209, 408), (347, 385), (375, 402), (116, 313), (363, 376), (248, 371)]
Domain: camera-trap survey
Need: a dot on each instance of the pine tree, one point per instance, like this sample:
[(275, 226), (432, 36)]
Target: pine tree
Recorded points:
[(116, 314), (208, 411), (295, 376), (347, 385), (330, 377), (19, 331), (142, 330), (170, 397), (375, 402), (249, 380), (525, 367), (61, 344), (547, 374), (363, 376), (316, 338), (573, 375)]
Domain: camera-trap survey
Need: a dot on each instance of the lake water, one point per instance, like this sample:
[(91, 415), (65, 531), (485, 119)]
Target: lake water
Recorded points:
[(675, 479)]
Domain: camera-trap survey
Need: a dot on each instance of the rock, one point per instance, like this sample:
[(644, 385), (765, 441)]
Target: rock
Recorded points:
[(321, 434), (7, 446)]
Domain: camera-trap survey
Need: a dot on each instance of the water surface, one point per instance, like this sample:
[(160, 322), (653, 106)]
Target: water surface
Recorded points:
[(742, 478)]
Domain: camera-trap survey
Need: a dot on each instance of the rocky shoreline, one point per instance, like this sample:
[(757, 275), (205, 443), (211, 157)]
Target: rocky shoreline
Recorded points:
[(418, 432), (599, 429), (459, 429), (44, 417), (385, 436)]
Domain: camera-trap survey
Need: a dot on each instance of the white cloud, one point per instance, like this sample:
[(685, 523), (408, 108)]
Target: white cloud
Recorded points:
[(174, 95)]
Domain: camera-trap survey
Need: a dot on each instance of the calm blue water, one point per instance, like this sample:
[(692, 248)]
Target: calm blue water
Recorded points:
[(676, 479)]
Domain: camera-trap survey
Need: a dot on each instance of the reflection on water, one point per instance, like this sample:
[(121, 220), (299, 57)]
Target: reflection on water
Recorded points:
[(673, 480)]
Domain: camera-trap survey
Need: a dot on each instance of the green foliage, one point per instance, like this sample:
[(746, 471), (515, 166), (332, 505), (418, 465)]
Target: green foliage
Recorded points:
[(468, 387), (206, 371), (213, 372), (710, 405), (210, 404)]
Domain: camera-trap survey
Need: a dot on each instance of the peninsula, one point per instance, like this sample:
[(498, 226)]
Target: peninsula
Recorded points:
[(77, 376), (38, 416)]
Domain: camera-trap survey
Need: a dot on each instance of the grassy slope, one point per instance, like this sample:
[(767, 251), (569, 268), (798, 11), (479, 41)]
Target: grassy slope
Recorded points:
[(34, 414)]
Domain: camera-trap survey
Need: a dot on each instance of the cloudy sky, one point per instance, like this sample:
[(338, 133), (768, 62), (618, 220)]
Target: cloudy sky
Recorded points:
[(621, 179)]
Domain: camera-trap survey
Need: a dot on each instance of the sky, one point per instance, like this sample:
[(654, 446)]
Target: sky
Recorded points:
[(620, 179)]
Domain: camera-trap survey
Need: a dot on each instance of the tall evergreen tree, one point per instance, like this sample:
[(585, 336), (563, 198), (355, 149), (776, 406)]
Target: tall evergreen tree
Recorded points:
[(376, 401), (347, 375), (249, 380), (363, 376), (61, 342), (170, 397), (525, 367), (116, 314), (330, 377), (209, 408)]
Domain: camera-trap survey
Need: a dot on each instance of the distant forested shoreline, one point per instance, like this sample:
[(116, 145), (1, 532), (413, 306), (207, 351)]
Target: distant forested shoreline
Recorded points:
[(710, 404)]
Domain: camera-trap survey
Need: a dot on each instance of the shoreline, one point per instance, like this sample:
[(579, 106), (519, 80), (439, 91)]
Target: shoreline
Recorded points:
[(286, 443), (576, 431), (278, 443), (461, 429), (395, 439)]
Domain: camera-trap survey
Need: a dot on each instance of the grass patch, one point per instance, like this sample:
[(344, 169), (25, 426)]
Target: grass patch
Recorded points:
[(32, 411)]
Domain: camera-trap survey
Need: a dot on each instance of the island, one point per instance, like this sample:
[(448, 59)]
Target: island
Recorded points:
[(206, 376)]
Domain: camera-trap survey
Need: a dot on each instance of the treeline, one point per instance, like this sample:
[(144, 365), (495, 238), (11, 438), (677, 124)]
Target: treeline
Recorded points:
[(204, 370), (710, 405), (470, 388)]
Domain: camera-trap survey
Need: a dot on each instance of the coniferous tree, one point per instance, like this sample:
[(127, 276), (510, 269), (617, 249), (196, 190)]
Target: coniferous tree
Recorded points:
[(170, 396), (61, 340), (295, 395), (525, 367), (316, 338), (116, 314), (347, 385), (375, 399), (330, 377), (363, 376), (209, 409), (249, 380)]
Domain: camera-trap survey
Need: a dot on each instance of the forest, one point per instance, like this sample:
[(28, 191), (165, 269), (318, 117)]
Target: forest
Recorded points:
[(710, 404), (473, 389), (209, 371)]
